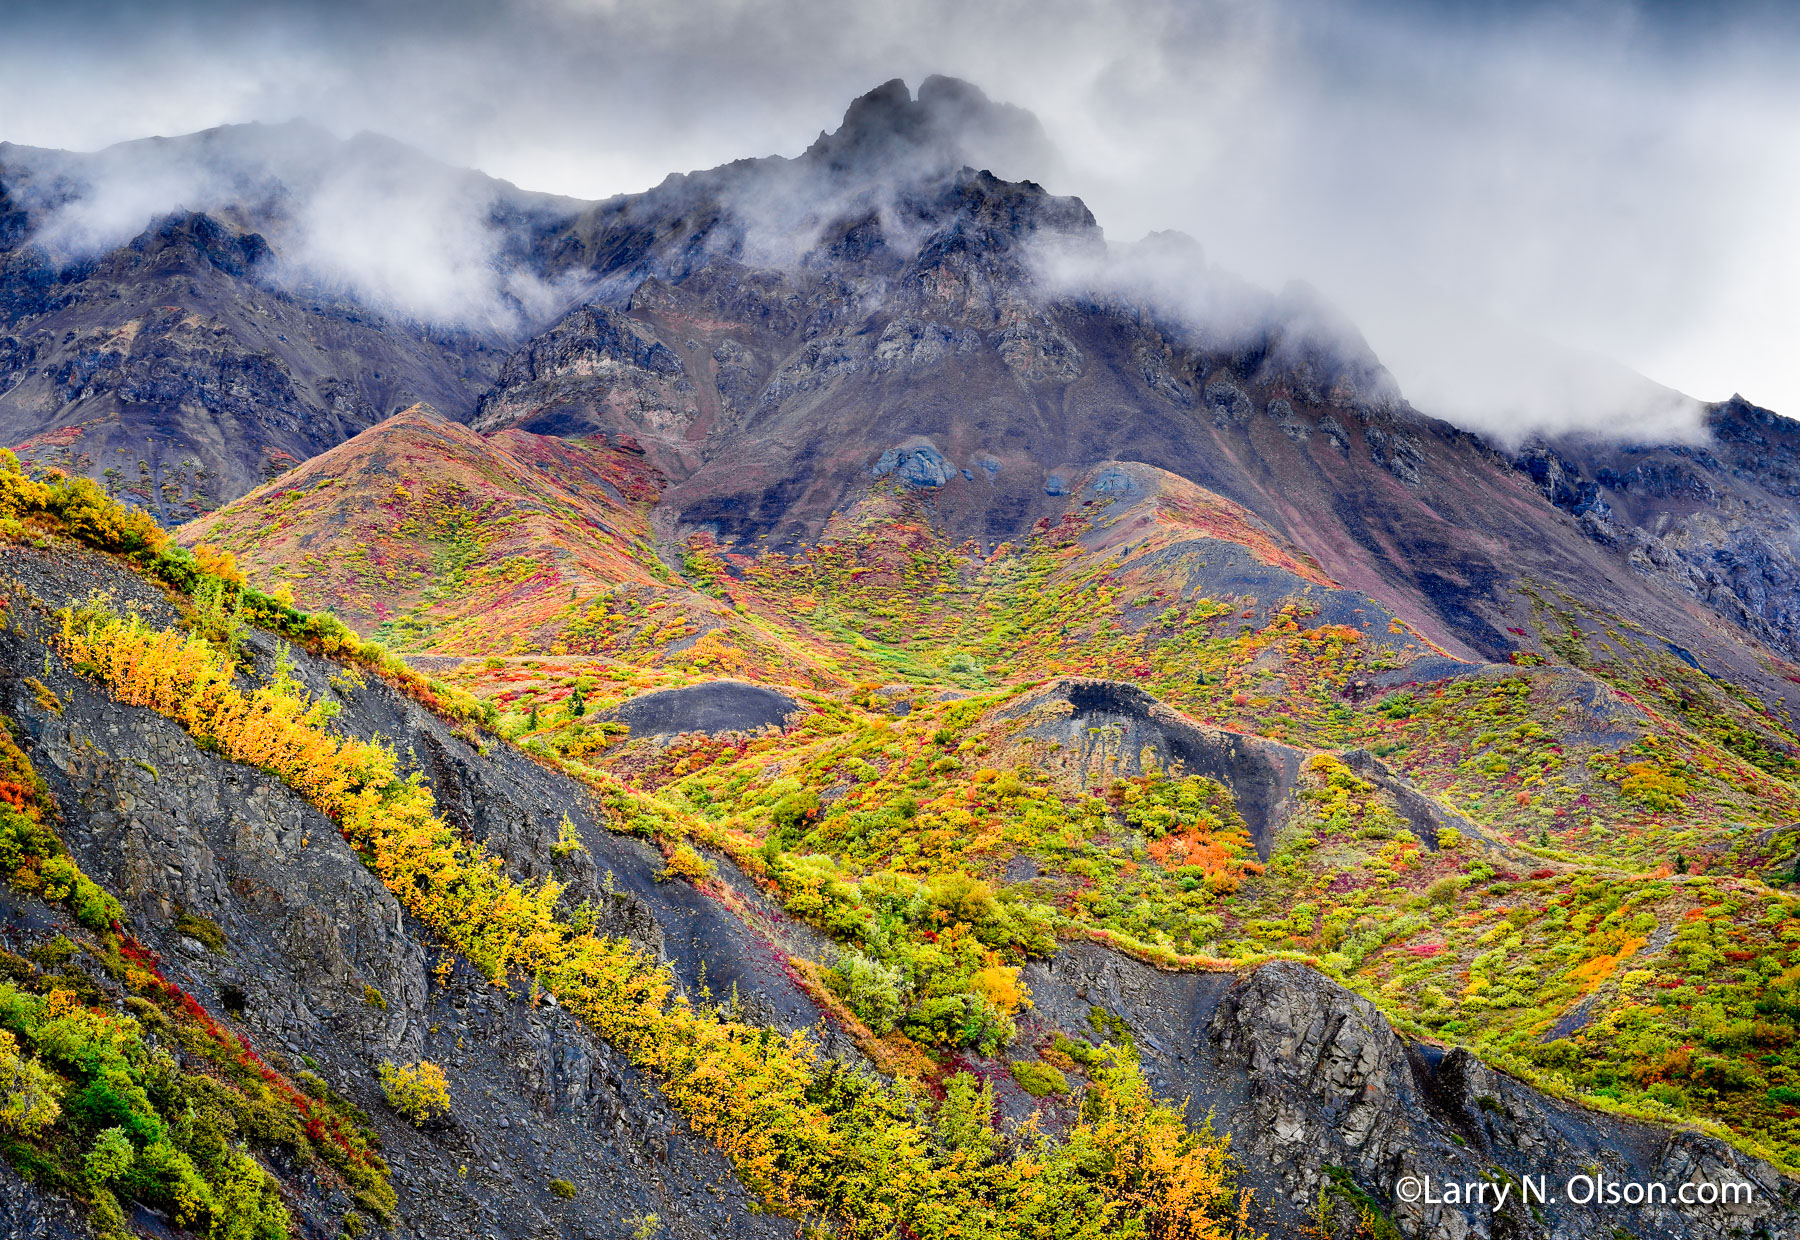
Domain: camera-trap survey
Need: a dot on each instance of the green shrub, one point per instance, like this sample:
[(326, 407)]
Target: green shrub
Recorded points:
[(1444, 890), (1398, 705), (1726, 1075), (562, 1189), (56, 953), (65, 883), (871, 989), (203, 930), (20, 838), (793, 812), (110, 1157), (965, 1118), (960, 1020), (684, 862), (1040, 1080), (1084, 1053)]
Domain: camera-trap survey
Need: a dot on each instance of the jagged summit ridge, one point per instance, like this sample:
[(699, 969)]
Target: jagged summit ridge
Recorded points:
[(951, 123)]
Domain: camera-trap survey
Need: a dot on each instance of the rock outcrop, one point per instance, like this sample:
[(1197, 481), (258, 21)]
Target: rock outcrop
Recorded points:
[(1325, 1101), (1714, 520)]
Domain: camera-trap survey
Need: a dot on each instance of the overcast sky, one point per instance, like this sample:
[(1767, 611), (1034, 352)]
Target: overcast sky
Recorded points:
[(1468, 181)]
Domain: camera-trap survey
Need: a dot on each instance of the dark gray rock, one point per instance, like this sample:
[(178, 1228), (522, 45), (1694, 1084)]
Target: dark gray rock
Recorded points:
[(921, 466), (1311, 1081), (714, 707), (1715, 522), (1107, 728), (28, 1213), (307, 926)]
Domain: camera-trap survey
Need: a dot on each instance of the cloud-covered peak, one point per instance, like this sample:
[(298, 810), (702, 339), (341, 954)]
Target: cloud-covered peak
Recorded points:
[(367, 219), (950, 124)]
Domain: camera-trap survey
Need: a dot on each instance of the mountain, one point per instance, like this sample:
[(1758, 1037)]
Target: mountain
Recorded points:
[(890, 710), (1715, 520), (771, 332), (183, 356)]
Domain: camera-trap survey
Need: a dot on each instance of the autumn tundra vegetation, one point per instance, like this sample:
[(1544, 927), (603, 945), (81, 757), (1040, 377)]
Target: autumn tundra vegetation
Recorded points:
[(1601, 819), (811, 1139)]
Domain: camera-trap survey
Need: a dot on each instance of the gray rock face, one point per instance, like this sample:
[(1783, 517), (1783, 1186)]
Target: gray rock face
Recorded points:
[(1715, 522), (714, 707), (1109, 729), (29, 1213), (910, 343), (598, 370), (175, 373), (1230, 404), (919, 466), (763, 328), (1316, 1088), (1399, 453)]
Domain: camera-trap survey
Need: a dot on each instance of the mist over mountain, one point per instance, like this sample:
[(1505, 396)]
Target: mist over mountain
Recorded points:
[(1505, 186), (774, 332), (366, 221)]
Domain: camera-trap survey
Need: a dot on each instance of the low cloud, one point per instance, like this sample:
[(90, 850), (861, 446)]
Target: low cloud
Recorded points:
[(367, 220)]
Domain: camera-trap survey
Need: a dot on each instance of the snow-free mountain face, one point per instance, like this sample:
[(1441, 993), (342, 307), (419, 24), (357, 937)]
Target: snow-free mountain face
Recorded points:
[(972, 610)]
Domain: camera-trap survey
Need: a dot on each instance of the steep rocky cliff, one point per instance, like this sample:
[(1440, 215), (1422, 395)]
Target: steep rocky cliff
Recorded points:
[(1714, 520), (1325, 1101), (176, 831)]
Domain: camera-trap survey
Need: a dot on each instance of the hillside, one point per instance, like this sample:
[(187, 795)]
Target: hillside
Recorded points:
[(217, 850), (424, 526), (998, 695)]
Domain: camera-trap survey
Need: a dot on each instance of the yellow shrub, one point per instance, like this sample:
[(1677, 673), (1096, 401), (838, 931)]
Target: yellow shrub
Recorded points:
[(221, 564), (28, 1092), (684, 862), (1651, 786), (416, 1090), (1000, 985)]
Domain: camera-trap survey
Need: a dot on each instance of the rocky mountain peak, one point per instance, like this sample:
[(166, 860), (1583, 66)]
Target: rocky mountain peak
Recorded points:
[(193, 233), (950, 124)]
